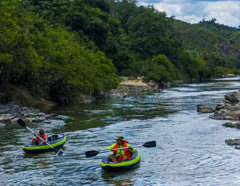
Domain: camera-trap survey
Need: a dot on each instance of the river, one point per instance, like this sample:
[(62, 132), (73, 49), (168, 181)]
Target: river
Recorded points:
[(190, 146)]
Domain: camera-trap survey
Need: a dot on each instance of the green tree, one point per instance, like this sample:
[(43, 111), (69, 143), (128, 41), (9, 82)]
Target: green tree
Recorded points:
[(70, 67), (161, 69), (17, 55)]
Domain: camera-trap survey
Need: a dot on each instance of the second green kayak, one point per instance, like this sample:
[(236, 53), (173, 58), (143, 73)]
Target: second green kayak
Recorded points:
[(121, 166)]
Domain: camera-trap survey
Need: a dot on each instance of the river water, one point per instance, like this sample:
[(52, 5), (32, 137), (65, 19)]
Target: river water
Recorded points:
[(190, 146)]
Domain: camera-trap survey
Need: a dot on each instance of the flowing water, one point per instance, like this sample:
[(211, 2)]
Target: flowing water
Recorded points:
[(190, 146)]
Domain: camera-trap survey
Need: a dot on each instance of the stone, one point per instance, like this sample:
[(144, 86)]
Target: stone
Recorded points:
[(237, 147), (232, 125), (220, 106), (233, 141), (205, 109), (233, 97)]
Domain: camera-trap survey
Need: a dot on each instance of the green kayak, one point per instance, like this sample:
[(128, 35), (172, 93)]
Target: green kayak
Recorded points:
[(57, 141), (121, 166)]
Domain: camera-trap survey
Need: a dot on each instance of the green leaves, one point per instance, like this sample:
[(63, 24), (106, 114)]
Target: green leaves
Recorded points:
[(161, 69), (66, 47), (70, 67), (49, 58)]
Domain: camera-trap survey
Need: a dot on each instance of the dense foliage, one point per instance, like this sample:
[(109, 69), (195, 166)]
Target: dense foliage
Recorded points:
[(47, 58), (230, 33), (66, 47), (208, 42)]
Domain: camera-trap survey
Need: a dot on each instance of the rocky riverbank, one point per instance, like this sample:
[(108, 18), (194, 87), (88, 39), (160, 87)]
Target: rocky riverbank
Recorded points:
[(9, 114), (32, 109), (227, 109)]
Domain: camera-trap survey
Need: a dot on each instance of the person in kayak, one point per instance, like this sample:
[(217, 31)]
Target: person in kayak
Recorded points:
[(119, 155), (37, 140)]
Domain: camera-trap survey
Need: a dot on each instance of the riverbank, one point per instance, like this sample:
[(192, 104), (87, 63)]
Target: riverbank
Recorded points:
[(33, 109), (16, 102), (227, 109), (9, 114)]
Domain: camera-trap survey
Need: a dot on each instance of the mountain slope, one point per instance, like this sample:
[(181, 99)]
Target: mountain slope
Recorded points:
[(204, 41)]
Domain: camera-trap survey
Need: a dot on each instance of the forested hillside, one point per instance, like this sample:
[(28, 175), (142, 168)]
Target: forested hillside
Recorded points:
[(66, 47), (230, 33), (220, 53)]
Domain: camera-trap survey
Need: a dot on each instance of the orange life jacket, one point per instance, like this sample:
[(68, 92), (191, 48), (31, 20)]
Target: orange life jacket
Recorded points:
[(127, 152), (44, 137)]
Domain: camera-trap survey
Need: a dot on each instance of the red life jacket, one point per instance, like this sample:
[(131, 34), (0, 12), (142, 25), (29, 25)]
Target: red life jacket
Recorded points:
[(127, 152), (44, 137)]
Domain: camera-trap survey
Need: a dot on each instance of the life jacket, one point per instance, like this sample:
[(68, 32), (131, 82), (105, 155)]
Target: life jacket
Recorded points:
[(127, 152), (44, 137)]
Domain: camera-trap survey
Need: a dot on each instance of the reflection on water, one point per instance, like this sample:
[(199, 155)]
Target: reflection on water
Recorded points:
[(190, 146)]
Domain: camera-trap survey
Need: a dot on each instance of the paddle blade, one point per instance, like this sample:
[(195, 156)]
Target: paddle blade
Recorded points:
[(59, 152), (21, 122), (91, 153), (150, 144)]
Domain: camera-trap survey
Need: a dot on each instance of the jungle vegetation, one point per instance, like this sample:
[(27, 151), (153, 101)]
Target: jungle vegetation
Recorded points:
[(66, 47)]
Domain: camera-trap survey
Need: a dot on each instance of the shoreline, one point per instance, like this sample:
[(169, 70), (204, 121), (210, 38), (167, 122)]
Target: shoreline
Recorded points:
[(227, 109), (11, 112), (32, 109)]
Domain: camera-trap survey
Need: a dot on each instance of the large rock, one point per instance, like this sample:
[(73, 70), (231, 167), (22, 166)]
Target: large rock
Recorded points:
[(232, 125), (233, 141), (205, 109), (237, 147), (225, 114), (233, 97)]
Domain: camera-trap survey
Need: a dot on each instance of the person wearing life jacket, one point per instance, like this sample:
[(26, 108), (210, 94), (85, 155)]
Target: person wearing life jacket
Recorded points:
[(37, 140), (122, 151)]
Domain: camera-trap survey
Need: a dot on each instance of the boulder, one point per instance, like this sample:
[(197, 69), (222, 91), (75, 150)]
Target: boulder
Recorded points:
[(233, 141), (232, 97), (232, 125), (225, 114), (237, 147), (205, 109)]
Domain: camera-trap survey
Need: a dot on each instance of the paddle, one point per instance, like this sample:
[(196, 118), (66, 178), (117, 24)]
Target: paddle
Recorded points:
[(23, 124), (94, 152)]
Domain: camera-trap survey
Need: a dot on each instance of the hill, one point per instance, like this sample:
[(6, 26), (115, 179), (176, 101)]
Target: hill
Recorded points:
[(208, 41), (230, 33)]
